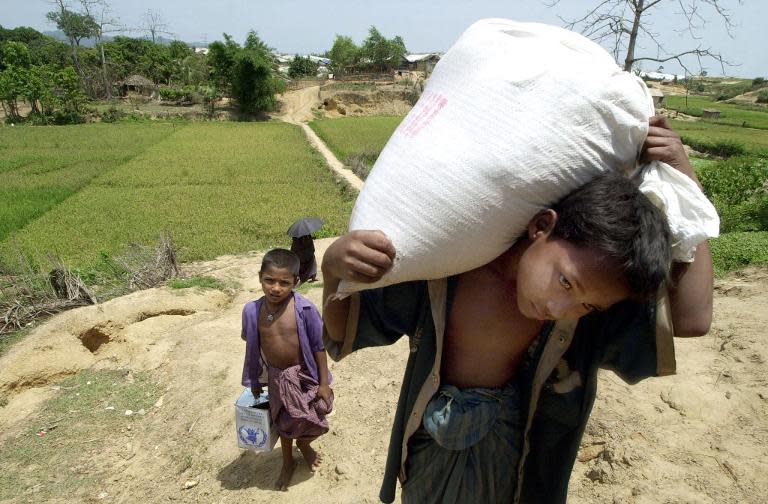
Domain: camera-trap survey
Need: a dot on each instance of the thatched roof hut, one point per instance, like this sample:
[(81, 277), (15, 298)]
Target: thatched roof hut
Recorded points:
[(136, 84)]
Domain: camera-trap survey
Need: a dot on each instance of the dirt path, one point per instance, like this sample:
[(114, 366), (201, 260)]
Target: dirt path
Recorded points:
[(700, 436), (298, 107)]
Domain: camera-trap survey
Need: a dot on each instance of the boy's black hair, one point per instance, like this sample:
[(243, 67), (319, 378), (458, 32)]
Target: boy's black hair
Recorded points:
[(280, 258), (611, 215)]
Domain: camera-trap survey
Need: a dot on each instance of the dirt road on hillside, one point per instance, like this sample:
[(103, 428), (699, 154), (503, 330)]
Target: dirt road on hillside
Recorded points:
[(700, 436), (299, 106)]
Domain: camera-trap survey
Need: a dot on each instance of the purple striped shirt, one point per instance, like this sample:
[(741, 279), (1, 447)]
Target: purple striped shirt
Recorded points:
[(309, 326)]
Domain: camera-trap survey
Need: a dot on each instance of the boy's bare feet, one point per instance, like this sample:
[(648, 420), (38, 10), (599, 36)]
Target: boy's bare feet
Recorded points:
[(312, 457), (286, 473)]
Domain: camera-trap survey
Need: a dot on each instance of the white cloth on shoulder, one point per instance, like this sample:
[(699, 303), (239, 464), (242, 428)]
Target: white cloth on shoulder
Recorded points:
[(692, 217)]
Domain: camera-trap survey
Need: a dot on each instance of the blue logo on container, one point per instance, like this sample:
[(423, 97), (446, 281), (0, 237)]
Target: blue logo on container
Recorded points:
[(252, 436)]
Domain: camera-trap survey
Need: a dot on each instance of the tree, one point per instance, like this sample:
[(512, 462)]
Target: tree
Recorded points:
[(247, 72), (12, 82), (221, 58), (154, 25), (625, 22), (302, 67), (100, 11), (178, 52), (13, 77), (381, 53), (75, 26), (343, 55)]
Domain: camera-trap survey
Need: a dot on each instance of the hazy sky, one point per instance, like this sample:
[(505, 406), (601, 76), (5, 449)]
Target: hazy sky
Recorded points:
[(425, 25)]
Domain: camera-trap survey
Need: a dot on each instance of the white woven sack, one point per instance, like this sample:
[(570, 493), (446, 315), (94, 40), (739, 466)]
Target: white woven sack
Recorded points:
[(514, 117)]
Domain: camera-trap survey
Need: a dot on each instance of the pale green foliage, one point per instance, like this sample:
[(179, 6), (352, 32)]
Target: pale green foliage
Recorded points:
[(382, 53), (245, 73), (75, 26), (302, 67), (343, 55)]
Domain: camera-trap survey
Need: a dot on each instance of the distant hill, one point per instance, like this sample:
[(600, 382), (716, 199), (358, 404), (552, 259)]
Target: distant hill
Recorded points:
[(59, 35)]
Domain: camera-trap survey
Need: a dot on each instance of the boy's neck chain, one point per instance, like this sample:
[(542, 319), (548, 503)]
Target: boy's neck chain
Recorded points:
[(271, 315)]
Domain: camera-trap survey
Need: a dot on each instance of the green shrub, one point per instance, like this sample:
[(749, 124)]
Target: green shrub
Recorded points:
[(737, 188), (171, 94), (762, 97), (732, 251), (723, 148), (759, 82), (63, 117), (112, 115)]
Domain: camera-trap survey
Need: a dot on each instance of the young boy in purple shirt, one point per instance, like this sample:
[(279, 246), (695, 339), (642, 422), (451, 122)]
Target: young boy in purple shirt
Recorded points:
[(283, 334)]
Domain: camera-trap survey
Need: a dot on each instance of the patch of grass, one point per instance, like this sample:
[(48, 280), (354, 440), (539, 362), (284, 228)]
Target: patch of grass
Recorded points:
[(754, 140), (221, 188), (43, 166), (3, 401), (76, 424), (8, 340), (202, 282), (730, 113), (733, 251), (721, 148), (737, 188), (20, 206), (701, 163), (349, 136)]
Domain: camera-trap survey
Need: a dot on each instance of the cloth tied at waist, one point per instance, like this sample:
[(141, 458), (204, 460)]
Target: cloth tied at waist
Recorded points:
[(459, 418)]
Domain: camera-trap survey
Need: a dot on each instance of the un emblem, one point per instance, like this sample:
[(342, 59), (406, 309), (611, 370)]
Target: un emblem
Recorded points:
[(252, 436)]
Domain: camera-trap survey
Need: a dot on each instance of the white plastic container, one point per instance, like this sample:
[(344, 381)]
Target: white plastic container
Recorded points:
[(253, 422)]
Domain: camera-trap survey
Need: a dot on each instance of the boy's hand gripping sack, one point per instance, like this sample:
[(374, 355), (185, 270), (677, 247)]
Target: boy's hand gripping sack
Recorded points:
[(514, 117)]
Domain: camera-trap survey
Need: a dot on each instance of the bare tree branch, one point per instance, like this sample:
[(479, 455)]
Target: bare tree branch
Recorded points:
[(627, 22), (154, 25)]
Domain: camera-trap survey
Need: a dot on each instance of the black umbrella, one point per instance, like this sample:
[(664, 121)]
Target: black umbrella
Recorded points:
[(305, 226)]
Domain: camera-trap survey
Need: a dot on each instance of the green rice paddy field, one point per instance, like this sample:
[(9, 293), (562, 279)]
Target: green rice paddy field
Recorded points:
[(750, 116), (220, 188), (349, 136)]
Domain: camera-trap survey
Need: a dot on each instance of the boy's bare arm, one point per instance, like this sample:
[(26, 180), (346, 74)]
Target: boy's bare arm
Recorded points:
[(324, 390), (359, 256), (690, 294)]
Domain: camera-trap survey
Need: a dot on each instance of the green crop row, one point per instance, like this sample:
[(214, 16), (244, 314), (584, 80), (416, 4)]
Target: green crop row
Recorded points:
[(730, 113), (42, 166), (350, 136), (220, 188), (753, 141)]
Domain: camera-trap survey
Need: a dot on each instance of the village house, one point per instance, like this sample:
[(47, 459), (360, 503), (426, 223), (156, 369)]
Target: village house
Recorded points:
[(658, 97), (136, 84), (424, 62)]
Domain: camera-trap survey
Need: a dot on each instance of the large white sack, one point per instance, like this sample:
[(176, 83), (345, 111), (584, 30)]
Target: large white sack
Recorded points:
[(514, 117)]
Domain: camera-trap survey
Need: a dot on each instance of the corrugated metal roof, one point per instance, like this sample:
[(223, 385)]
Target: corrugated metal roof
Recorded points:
[(413, 58)]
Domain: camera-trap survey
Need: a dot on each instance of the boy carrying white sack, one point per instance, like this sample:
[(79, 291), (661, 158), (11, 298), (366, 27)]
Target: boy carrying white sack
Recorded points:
[(504, 357)]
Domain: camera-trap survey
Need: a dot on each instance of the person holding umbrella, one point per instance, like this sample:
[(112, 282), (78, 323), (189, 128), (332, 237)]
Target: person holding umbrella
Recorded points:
[(304, 247)]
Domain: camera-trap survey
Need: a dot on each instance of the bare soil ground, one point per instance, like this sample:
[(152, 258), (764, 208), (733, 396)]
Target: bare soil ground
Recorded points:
[(700, 436)]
